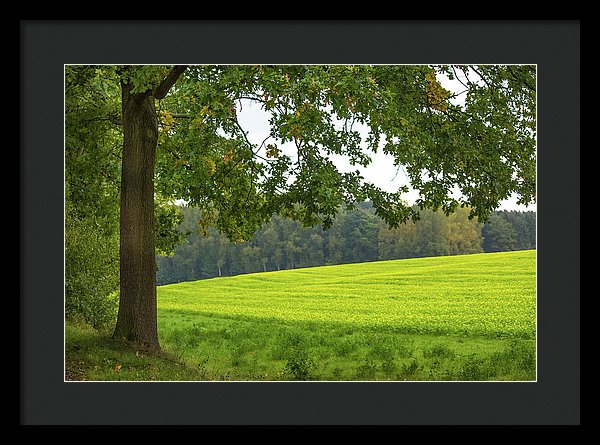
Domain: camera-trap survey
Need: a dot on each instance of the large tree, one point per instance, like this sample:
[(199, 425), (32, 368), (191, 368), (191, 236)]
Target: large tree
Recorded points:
[(182, 139)]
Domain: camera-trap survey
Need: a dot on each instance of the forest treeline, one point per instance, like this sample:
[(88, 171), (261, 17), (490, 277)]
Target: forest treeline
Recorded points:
[(355, 236)]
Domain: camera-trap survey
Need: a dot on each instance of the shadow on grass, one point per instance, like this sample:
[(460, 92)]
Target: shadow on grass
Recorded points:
[(92, 355)]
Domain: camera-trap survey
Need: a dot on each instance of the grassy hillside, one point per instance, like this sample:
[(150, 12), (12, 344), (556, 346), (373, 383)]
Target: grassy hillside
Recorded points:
[(468, 317), (481, 294)]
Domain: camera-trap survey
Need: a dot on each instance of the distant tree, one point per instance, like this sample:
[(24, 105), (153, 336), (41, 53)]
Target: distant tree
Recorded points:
[(399, 242), (293, 251), (434, 234), (251, 258), (355, 236), (361, 228), (462, 235), (430, 235), (498, 235), (314, 255), (266, 239), (529, 232), (335, 240), (166, 270), (524, 224), (220, 243)]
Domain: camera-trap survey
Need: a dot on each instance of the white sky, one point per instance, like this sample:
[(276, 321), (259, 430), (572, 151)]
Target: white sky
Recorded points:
[(380, 172)]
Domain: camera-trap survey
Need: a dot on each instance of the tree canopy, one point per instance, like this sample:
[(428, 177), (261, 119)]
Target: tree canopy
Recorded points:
[(485, 147)]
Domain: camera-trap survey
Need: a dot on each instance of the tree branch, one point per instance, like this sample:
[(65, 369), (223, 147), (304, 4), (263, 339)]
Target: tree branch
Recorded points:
[(161, 91), (490, 87), (457, 78), (522, 80)]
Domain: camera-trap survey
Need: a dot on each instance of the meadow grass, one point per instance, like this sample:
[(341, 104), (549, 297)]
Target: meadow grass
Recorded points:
[(467, 317), (93, 355), (480, 294), (455, 318)]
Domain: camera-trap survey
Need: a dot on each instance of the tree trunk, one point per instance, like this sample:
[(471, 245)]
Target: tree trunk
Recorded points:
[(137, 320)]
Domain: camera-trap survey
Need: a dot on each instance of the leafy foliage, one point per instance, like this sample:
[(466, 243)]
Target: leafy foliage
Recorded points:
[(168, 218), (93, 142), (91, 271), (485, 148), (92, 172)]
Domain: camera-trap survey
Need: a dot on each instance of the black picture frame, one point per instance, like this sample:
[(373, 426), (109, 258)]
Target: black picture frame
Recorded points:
[(46, 399)]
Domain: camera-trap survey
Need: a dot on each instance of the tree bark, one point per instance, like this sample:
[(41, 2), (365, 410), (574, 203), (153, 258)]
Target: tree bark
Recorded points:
[(137, 320)]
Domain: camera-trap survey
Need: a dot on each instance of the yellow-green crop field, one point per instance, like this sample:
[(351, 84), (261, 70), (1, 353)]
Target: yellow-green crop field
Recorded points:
[(465, 317)]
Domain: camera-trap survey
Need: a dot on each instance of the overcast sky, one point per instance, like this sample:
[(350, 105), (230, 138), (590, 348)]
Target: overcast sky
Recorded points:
[(380, 172)]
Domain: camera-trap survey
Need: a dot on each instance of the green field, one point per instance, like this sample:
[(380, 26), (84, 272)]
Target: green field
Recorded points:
[(454, 318), (467, 317)]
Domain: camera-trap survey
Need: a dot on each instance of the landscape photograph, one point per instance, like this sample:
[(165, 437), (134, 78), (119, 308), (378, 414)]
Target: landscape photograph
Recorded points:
[(300, 223)]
